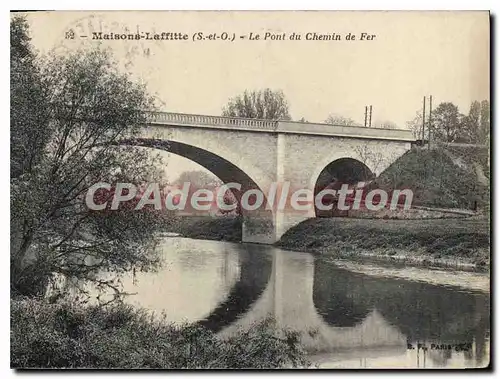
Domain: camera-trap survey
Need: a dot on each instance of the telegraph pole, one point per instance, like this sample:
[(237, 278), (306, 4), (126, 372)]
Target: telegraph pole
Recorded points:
[(423, 124), (430, 120), (366, 113), (370, 116)]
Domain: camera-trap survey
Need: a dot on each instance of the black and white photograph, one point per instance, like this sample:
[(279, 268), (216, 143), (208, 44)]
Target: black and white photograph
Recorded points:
[(219, 190)]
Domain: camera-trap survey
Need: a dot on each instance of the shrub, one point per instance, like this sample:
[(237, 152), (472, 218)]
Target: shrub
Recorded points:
[(60, 335)]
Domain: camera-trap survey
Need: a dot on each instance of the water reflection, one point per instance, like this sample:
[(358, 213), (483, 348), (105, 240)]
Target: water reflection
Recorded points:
[(346, 318), (340, 296), (191, 282), (443, 321), (255, 271)]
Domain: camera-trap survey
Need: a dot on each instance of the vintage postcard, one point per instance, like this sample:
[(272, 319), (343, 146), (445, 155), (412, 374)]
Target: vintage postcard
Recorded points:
[(250, 189)]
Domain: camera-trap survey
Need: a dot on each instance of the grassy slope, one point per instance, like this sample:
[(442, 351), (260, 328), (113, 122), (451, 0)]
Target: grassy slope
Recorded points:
[(465, 239), (435, 179)]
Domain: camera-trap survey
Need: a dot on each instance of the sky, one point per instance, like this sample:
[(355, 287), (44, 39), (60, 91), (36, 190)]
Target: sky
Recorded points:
[(413, 54)]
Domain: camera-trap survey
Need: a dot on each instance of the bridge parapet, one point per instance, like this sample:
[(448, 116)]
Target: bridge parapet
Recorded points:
[(195, 119), (281, 127)]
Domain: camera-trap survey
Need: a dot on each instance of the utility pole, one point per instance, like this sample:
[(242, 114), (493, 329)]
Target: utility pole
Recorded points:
[(370, 116), (430, 120), (366, 113), (423, 124)]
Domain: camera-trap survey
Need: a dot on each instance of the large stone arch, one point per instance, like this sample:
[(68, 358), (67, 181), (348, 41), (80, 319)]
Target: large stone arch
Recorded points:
[(258, 225), (253, 153)]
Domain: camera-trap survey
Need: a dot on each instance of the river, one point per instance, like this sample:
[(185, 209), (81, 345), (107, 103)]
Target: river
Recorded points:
[(349, 317)]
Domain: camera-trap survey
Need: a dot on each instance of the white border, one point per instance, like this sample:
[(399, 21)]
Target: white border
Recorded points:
[(258, 5), (192, 5)]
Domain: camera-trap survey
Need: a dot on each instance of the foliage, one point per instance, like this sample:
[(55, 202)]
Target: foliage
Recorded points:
[(208, 228), (386, 124), (60, 335), (370, 157), (205, 180), (449, 125), (68, 114), (435, 179), (415, 125), (340, 120), (446, 123), (26, 92), (198, 179), (484, 124), (476, 124), (265, 104)]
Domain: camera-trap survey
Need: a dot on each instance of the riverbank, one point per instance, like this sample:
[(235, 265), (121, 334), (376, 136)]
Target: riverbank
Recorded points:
[(461, 244), (207, 228), (65, 335), (466, 280)]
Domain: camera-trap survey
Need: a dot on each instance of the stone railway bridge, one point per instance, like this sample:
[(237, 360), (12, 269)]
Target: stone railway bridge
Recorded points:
[(256, 153)]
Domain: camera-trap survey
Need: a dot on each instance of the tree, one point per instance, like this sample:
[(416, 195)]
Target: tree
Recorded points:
[(387, 124), (476, 125), (68, 116), (370, 157), (447, 123), (26, 92), (415, 125), (340, 120), (265, 104), (198, 179), (204, 180), (484, 127), (469, 125)]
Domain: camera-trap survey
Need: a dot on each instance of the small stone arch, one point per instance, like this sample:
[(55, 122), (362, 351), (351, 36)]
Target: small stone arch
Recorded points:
[(341, 171)]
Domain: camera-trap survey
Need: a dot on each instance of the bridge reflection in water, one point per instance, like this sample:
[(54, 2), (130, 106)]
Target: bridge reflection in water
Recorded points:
[(346, 319)]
